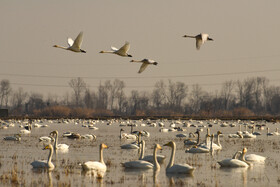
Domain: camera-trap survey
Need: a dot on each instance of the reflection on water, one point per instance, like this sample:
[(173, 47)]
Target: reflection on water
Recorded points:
[(15, 159)]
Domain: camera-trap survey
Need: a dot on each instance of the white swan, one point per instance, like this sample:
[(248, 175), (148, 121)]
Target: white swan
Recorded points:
[(233, 162), (200, 39), (74, 46), (47, 164), (121, 52), (142, 164), (255, 158), (177, 168), (95, 165), (197, 149), (145, 62), (276, 132), (89, 137), (59, 147), (150, 158), (46, 139), (16, 137)]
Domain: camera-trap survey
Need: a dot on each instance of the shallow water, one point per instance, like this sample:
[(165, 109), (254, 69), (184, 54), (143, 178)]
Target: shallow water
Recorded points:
[(15, 158)]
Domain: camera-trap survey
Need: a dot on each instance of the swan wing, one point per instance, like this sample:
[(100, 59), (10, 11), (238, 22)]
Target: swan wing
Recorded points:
[(124, 48), (114, 48), (255, 158), (199, 42), (143, 67), (180, 168), (78, 41), (232, 163), (39, 164), (94, 165), (141, 164), (70, 42)]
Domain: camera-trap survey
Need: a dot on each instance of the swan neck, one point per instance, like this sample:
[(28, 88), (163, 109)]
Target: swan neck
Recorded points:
[(50, 156), (55, 141), (197, 138), (218, 140), (142, 151), (61, 47), (171, 162), (156, 164), (101, 155)]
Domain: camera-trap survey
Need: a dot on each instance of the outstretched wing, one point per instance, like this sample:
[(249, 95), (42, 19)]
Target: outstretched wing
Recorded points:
[(199, 42), (70, 42), (114, 48), (124, 48), (143, 67), (78, 41)]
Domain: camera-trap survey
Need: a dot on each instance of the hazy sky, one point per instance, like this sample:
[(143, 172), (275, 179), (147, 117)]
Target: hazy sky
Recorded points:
[(245, 34)]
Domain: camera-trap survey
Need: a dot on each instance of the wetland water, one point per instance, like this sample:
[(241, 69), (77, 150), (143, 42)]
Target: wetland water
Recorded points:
[(15, 157)]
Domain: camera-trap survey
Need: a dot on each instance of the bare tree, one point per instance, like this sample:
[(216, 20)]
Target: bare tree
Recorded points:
[(159, 94), (35, 102), (18, 99), (227, 93), (196, 98), (177, 92), (78, 85), (5, 90)]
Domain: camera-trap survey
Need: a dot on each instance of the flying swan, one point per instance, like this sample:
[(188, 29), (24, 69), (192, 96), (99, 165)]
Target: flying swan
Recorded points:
[(145, 62), (200, 39), (74, 46), (121, 52)]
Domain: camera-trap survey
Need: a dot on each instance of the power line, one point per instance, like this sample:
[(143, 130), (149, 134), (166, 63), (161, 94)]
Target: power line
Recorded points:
[(147, 77)]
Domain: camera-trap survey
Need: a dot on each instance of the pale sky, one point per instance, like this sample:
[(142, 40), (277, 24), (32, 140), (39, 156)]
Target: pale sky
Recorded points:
[(245, 34)]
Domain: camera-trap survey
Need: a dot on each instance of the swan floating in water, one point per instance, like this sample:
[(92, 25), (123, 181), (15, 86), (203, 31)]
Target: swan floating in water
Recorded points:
[(142, 164), (177, 168), (200, 39), (16, 137), (45, 164), (145, 62), (121, 52), (74, 46), (150, 158), (95, 165), (233, 162), (59, 147)]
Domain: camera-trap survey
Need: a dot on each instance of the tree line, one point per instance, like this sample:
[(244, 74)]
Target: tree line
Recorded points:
[(253, 96)]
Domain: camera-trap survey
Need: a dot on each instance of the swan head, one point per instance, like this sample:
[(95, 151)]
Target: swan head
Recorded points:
[(155, 63), (103, 146), (185, 36), (55, 45), (210, 39), (157, 146), (169, 144), (48, 147), (83, 51), (53, 132), (219, 132), (244, 150), (101, 52), (129, 55), (132, 61)]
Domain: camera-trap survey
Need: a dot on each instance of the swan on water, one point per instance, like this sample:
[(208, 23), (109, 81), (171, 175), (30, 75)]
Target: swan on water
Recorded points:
[(233, 162), (59, 147), (100, 165), (47, 164), (142, 164), (74, 46), (149, 158), (177, 168)]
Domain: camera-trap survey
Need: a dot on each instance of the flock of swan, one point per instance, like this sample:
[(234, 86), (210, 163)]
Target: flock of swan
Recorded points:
[(75, 46), (191, 142)]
